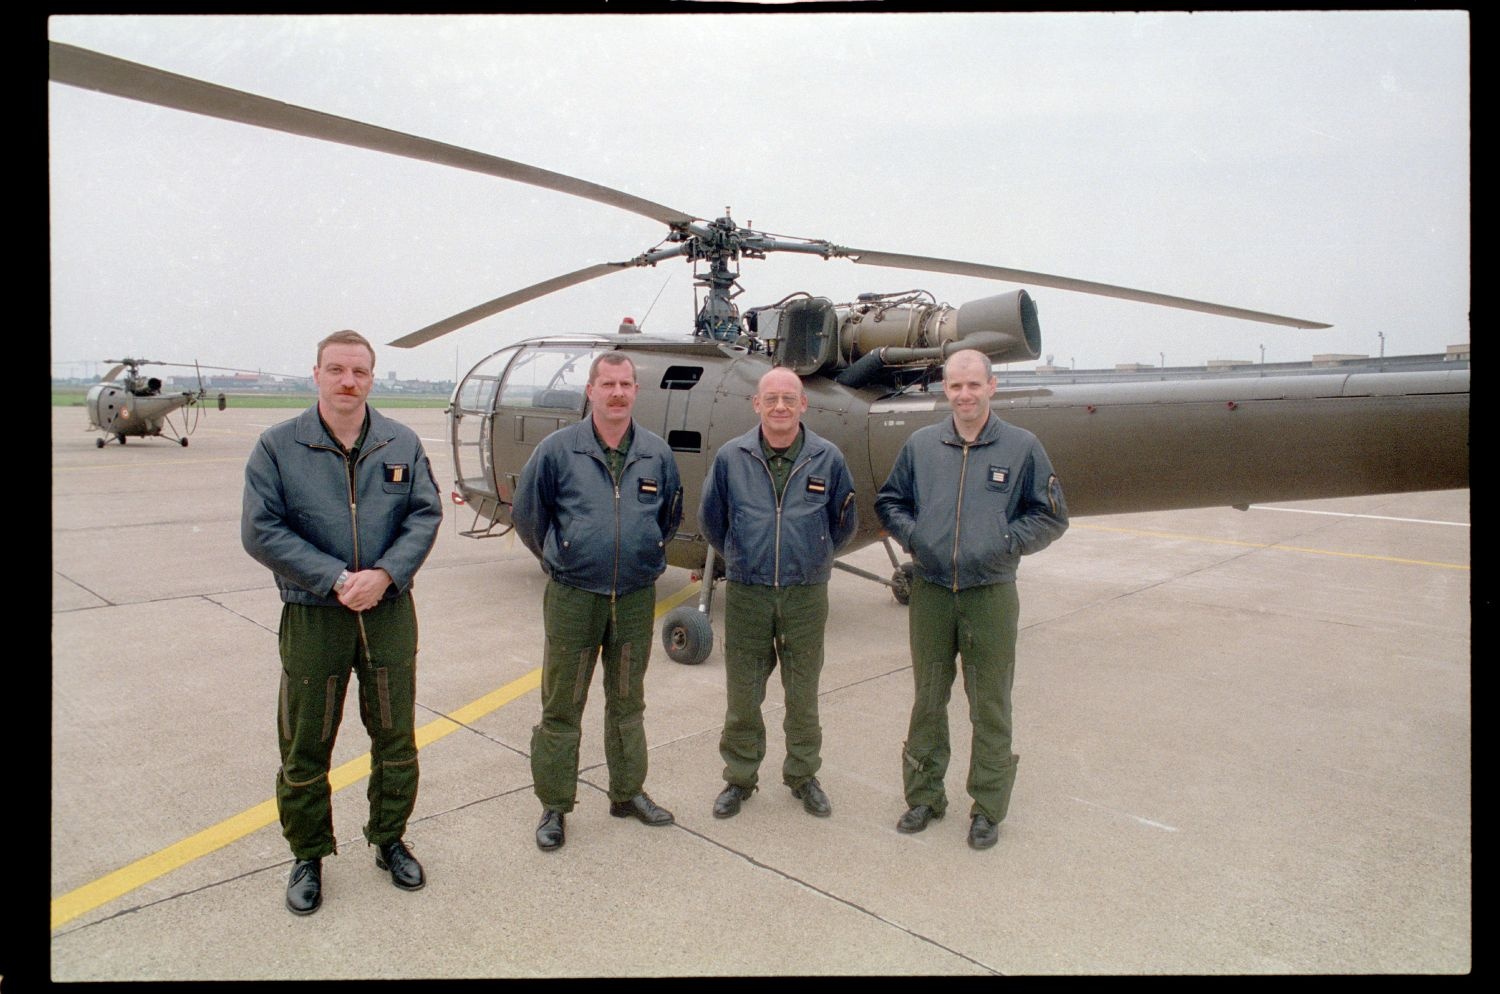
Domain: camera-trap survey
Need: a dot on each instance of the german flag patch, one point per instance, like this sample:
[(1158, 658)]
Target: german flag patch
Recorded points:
[(397, 472), (817, 485), (649, 487)]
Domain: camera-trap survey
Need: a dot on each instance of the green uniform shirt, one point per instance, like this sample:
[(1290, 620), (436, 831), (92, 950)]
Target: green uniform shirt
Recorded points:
[(616, 457), (353, 451), (781, 461)]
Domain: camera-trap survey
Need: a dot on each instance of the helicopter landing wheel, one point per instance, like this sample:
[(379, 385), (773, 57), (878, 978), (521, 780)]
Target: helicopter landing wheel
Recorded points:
[(901, 583), (687, 635), (121, 438), (99, 443), (183, 441)]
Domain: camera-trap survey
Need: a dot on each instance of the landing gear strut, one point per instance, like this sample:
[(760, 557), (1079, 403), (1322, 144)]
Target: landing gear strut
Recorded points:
[(686, 633)]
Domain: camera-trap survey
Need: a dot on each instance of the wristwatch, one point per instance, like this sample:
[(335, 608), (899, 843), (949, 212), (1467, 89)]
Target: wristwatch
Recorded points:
[(338, 585)]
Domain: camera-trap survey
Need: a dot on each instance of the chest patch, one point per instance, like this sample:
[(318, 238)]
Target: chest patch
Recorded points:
[(999, 477), (397, 472), (817, 485), (648, 487)]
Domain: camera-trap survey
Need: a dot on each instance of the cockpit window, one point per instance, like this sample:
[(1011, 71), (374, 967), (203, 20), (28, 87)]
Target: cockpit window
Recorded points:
[(550, 377), (477, 391)]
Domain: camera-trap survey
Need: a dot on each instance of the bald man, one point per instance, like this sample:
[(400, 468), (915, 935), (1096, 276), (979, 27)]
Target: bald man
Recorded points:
[(777, 504), (968, 497)]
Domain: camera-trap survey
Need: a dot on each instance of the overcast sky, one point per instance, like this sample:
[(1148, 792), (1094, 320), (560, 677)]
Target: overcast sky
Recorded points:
[(1310, 164)]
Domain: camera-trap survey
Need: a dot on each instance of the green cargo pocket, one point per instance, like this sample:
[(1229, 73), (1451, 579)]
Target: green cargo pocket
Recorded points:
[(383, 695), (585, 672), (330, 702)]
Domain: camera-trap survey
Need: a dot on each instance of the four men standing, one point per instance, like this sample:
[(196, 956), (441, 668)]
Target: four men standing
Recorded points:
[(341, 504), (776, 506)]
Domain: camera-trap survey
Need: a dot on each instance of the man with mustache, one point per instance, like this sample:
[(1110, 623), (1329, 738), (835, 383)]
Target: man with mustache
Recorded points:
[(777, 505), (340, 503), (597, 503), (967, 498)]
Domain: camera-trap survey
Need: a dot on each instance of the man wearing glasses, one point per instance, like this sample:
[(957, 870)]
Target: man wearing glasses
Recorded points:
[(777, 505)]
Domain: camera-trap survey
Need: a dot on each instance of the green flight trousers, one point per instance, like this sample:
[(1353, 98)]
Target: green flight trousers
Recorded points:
[(580, 626), (764, 625), (320, 647), (979, 624)]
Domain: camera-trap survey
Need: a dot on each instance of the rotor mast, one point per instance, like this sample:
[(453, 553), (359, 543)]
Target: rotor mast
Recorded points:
[(719, 243)]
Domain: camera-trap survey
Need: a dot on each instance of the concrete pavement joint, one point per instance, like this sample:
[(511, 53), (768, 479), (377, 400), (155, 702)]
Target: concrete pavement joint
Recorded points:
[(1126, 814), (90, 592), (80, 529), (526, 787), (237, 614), (853, 906), (63, 932), (436, 713)]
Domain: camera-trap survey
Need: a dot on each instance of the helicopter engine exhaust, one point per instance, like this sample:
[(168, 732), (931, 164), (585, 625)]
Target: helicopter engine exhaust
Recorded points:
[(1007, 323), (878, 334)]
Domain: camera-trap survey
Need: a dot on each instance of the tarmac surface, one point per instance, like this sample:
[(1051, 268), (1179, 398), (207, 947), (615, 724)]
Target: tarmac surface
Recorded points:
[(1245, 743)]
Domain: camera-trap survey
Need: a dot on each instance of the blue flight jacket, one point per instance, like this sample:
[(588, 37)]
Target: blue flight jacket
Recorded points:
[(300, 519), (587, 532), (968, 512), (779, 544)]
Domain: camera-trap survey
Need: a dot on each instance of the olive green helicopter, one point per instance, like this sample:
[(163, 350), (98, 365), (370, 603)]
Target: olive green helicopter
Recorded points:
[(136, 407)]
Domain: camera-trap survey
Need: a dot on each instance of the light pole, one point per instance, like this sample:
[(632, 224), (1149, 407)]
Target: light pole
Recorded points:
[(1382, 343), (1163, 357)]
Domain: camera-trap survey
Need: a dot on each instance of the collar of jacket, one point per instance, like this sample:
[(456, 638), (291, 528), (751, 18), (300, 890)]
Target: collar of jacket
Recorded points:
[(309, 429), (750, 442), (583, 442), (989, 433)]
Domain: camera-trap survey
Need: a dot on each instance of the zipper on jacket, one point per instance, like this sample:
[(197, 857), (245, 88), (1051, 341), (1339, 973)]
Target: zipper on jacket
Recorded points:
[(958, 513), (349, 473), (776, 568), (614, 584), (364, 640)]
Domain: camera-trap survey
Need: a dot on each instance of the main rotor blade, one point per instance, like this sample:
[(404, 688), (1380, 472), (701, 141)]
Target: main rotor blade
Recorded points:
[(95, 71), (110, 376), (506, 302), (899, 261)]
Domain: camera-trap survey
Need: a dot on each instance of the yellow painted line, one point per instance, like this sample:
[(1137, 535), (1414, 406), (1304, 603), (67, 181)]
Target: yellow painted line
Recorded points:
[(470, 713), (146, 869), (663, 606), (1144, 533)]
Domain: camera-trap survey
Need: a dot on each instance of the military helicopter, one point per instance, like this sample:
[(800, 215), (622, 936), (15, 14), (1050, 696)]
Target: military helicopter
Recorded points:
[(869, 367), (136, 407)]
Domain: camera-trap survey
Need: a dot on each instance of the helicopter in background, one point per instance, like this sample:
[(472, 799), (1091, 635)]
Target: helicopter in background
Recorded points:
[(869, 367), (136, 407)]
